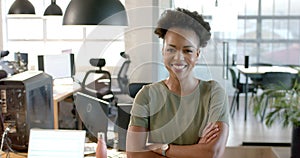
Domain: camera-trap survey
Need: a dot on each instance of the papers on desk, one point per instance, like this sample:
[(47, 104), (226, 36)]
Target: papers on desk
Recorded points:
[(90, 148), (63, 81), (50, 143)]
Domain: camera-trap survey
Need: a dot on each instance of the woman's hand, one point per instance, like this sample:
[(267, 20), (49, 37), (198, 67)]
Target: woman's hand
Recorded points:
[(210, 132)]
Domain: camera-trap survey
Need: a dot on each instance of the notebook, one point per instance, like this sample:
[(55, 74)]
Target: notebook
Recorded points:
[(50, 143)]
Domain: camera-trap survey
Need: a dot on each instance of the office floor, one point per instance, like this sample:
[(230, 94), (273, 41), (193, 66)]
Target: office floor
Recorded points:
[(253, 131)]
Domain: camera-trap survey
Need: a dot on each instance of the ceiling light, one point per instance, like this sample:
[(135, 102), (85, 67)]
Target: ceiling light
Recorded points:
[(21, 7), (53, 9), (95, 12)]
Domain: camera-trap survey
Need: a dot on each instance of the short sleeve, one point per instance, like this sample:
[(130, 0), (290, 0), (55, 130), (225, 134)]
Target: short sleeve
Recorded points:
[(219, 106), (140, 109)]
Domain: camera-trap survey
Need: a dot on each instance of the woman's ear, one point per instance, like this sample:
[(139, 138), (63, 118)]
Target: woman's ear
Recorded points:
[(198, 52)]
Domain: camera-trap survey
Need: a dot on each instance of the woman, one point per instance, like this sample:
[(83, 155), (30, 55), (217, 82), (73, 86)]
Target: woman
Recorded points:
[(180, 116)]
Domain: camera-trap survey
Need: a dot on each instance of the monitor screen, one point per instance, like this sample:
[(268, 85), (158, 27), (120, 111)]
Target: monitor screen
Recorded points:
[(58, 66), (23, 57)]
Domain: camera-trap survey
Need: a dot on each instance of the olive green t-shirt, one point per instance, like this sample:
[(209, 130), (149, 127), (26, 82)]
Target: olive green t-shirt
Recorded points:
[(176, 119)]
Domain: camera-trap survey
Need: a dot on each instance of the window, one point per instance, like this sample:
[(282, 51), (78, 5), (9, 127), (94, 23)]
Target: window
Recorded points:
[(39, 35), (267, 30)]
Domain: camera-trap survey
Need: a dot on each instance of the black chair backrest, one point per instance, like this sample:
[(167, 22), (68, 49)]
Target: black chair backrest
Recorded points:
[(278, 80), (3, 74), (135, 87), (234, 78), (101, 87), (122, 77)]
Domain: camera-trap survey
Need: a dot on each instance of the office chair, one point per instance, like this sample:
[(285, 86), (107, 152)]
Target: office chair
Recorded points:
[(239, 89), (257, 82), (101, 87), (135, 87), (276, 85), (122, 79), (122, 75)]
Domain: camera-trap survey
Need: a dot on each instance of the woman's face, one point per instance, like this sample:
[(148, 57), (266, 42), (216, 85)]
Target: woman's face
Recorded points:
[(180, 52)]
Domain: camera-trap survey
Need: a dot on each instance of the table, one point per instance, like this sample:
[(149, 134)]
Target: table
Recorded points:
[(14, 155), (257, 151), (61, 92), (88, 154), (230, 152), (256, 72)]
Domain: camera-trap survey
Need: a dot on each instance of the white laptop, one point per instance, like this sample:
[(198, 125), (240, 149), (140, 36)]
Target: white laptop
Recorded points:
[(51, 143)]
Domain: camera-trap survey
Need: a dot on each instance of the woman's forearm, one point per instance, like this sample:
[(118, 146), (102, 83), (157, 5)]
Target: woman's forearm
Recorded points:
[(211, 145), (183, 151)]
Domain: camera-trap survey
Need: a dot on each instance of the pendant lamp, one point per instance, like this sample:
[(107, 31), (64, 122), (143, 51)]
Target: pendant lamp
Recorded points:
[(53, 9), (95, 12), (21, 7)]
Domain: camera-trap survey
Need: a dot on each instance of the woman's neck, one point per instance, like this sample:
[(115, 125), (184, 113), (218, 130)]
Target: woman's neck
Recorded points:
[(182, 87)]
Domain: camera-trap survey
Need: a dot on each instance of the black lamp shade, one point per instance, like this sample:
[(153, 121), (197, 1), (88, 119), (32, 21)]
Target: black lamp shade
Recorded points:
[(21, 7), (95, 12), (53, 9)]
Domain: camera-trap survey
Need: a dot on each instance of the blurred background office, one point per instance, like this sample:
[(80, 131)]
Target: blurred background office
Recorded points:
[(266, 30)]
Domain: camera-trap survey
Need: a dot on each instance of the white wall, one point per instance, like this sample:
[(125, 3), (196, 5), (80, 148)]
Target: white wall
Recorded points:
[(140, 41), (1, 33)]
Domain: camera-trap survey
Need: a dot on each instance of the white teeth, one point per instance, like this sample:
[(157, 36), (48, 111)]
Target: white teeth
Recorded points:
[(178, 67)]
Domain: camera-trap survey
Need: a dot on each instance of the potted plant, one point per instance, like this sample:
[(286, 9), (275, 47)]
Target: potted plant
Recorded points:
[(285, 109)]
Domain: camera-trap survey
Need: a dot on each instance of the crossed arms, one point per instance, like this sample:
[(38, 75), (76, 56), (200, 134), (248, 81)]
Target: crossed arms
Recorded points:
[(210, 145)]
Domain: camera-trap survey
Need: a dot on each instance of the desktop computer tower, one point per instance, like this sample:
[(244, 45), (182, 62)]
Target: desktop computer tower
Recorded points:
[(26, 102)]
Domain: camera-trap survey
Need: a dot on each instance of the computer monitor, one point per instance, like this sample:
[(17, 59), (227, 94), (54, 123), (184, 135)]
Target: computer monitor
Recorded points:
[(22, 56), (58, 65)]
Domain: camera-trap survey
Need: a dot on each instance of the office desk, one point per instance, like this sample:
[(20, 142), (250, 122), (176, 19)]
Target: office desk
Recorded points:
[(256, 72), (230, 152), (14, 155), (61, 92), (257, 152), (89, 152)]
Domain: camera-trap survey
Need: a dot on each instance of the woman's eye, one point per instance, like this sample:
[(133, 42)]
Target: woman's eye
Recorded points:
[(171, 50), (188, 51)]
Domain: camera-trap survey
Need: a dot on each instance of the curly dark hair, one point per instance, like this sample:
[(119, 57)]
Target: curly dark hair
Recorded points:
[(186, 19)]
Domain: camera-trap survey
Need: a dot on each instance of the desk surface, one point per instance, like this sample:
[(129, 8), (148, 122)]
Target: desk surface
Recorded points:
[(62, 90), (257, 151), (264, 69), (280, 152)]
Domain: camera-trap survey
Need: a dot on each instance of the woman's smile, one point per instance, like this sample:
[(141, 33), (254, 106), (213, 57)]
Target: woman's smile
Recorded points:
[(179, 67)]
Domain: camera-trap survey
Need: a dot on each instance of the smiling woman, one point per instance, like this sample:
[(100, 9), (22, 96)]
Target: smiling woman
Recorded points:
[(180, 116)]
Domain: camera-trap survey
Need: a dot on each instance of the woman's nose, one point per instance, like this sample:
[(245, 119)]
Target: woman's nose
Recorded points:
[(179, 55)]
